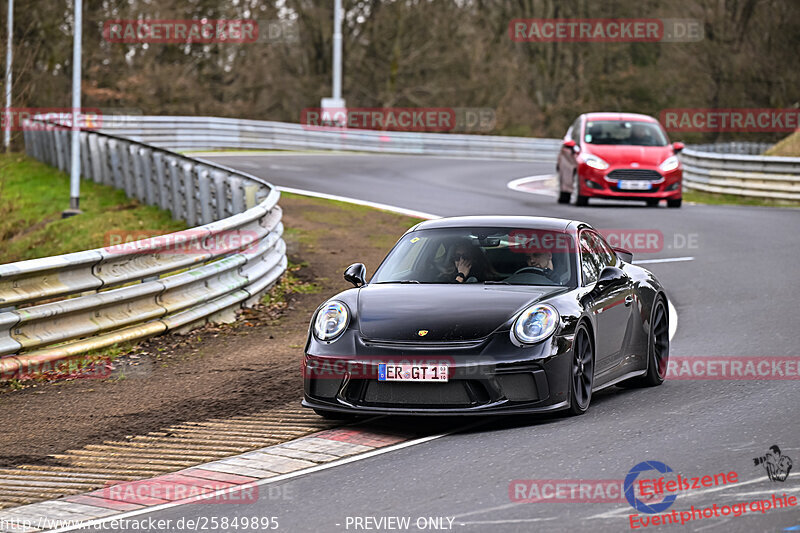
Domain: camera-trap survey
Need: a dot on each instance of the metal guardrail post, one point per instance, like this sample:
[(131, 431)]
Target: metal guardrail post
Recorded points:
[(204, 187), (116, 152), (94, 157), (177, 176), (60, 155), (236, 186), (159, 181), (84, 153), (189, 194), (128, 171)]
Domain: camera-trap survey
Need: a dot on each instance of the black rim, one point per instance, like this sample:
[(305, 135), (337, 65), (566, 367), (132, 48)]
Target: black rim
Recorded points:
[(582, 369), (660, 339)]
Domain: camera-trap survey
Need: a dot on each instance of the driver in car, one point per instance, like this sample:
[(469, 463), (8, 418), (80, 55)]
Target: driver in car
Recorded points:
[(542, 263), (640, 135)]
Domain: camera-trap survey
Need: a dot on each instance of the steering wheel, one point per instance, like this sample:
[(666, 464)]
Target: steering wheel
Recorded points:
[(533, 270)]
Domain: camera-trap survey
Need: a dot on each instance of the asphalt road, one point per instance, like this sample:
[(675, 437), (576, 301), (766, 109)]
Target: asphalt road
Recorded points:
[(737, 297)]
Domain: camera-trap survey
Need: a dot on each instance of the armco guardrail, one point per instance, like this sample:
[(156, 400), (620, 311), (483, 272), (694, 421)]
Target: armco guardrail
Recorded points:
[(57, 307), (740, 171), (200, 133), (714, 168), (733, 147)]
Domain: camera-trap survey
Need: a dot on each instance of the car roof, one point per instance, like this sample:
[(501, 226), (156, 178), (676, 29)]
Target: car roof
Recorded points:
[(499, 221), (604, 115)]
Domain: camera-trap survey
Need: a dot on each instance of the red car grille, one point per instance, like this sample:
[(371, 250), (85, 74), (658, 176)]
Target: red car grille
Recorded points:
[(634, 174)]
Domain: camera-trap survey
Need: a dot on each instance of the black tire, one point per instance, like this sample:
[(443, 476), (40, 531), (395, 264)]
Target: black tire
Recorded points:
[(658, 345), (581, 378), (563, 197), (575, 196), (675, 203), (652, 203), (657, 349), (334, 415)]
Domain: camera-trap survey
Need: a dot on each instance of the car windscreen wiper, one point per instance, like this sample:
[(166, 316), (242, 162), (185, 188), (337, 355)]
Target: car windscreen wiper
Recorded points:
[(397, 281), (519, 284)]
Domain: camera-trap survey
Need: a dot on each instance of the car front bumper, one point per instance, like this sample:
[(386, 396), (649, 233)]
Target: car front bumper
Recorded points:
[(596, 183), (533, 380)]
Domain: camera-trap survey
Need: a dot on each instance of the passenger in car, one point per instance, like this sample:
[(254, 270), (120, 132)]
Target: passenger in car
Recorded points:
[(463, 259), (468, 264)]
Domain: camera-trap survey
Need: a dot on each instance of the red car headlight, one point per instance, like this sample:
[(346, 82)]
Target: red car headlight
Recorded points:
[(595, 162), (670, 164)]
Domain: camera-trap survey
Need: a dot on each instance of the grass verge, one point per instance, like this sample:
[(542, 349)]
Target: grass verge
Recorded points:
[(702, 197), (32, 197)]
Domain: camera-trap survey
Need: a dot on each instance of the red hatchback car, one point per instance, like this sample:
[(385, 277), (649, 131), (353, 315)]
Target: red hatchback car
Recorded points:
[(619, 155)]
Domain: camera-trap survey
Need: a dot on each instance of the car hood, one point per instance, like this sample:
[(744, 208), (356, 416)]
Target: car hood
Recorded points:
[(651, 156), (446, 312)]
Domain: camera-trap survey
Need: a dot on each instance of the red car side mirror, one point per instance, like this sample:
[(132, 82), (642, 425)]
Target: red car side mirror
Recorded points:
[(571, 145), (677, 147)]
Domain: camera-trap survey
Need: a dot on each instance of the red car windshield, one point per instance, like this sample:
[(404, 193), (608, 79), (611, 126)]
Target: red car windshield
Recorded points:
[(623, 132)]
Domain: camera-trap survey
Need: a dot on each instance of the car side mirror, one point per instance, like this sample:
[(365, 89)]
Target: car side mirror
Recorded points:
[(572, 145), (610, 276), (624, 255), (356, 274), (677, 147)]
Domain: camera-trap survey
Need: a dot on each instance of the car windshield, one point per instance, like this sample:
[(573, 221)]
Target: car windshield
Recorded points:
[(622, 132), (503, 256)]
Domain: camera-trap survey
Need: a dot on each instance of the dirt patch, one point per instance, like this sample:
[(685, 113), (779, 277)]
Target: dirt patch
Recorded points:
[(30, 229), (216, 371)]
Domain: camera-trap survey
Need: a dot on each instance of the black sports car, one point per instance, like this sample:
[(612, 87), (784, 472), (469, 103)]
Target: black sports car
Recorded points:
[(479, 315)]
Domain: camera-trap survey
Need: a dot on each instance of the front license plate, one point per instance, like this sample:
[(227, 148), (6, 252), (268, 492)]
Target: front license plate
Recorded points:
[(635, 185), (392, 372)]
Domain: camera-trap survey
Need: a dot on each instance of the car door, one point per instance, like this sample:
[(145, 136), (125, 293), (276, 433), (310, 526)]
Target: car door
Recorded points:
[(610, 306), (567, 156)]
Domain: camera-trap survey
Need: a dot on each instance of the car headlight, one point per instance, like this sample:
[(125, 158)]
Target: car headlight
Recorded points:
[(536, 323), (331, 320), (595, 162), (670, 163)]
